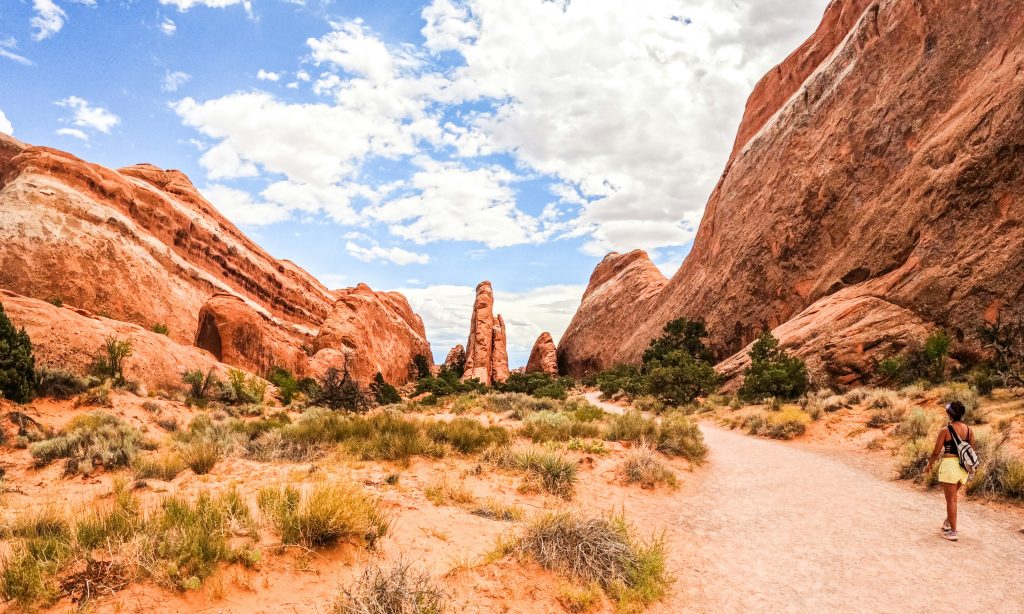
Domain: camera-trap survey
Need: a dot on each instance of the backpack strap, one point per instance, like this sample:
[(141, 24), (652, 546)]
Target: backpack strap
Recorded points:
[(952, 433)]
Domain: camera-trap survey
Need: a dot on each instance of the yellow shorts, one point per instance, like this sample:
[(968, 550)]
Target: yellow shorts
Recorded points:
[(950, 471)]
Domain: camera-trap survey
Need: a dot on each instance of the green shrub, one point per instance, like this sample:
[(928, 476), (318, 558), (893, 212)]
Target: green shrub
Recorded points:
[(246, 388), (17, 364), (621, 378), (324, 516), (549, 426), (56, 301), (114, 522), (96, 438), (772, 372), (935, 354), (893, 370), (916, 424), (984, 378), (447, 383), (109, 364), (539, 385), (61, 385), (555, 473), (648, 404), (206, 442), (393, 590), (787, 423), (161, 329), (599, 549), (285, 382), (631, 426), (518, 404), (200, 386), (467, 435), (677, 378), (680, 436), (642, 466), (588, 446), (581, 410), (338, 391), (681, 335), (384, 393)]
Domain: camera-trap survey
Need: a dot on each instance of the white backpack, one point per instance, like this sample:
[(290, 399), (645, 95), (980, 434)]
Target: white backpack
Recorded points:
[(968, 457)]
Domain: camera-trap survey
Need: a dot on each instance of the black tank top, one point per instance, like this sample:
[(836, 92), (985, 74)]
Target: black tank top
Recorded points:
[(951, 445)]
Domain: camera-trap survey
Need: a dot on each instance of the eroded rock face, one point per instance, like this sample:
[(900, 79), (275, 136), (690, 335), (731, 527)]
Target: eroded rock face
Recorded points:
[(456, 356), (141, 245), (486, 350), (543, 357), (70, 339), (623, 290), (377, 331), (892, 170)]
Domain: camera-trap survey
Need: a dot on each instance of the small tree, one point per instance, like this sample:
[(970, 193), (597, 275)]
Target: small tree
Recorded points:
[(680, 334), (337, 390), (110, 363), (17, 364), (677, 378), (383, 392), (935, 354), (200, 386), (422, 366), (286, 383), (1006, 342), (621, 378), (772, 372)]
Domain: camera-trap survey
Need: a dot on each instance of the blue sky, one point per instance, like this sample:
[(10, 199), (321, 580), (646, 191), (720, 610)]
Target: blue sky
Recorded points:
[(418, 146)]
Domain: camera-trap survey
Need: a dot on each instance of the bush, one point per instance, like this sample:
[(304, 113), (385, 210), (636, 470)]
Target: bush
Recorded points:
[(787, 423), (555, 473), (893, 370), (246, 389), (206, 442), (681, 335), (631, 426), (17, 364), (549, 426), (678, 378), (916, 424), (965, 394), (110, 362), (324, 516), (421, 365), (200, 386), (518, 404), (1005, 340), (648, 404), (161, 329), (915, 458), (384, 393), (447, 383), (588, 446), (393, 590), (337, 390), (467, 435), (96, 438), (443, 492), (115, 522), (598, 549), (164, 467), (935, 354), (539, 385), (621, 378), (679, 436), (285, 382), (772, 372), (61, 385), (642, 466)]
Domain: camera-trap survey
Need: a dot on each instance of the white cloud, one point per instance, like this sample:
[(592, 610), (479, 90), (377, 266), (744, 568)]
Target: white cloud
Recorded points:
[(302, 75), (395, 255), (168, 27), (173, 80), (184, 5), (73, 133), (332, 200), (239, 207), (88, 116), (48, 20), (5, 124), (7, 47), (264, 75), (446, 311)]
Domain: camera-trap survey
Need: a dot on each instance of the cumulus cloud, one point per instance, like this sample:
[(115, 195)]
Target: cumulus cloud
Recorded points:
[(5, 124), (87, 116), (394, 255), (239, 206), (173, 80), (48, 20), (74, 133), (168, 27), (264, 75), (184, 5), (446, 311)]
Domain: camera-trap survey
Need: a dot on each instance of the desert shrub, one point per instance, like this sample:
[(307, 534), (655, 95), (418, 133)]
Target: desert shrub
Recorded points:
[(631, 426), (555, 473), (97, 396), (337, 390), (519, 405), (467, 435), (984, 378), (678, 435), (188, 539), (599, 549), (579, 598), (117, 521), (642, 466), (287, 385), (206, 442), (621, 378), (916, 424), (539, 385), (323, 516), (43, 545), (393, 590), (892, 370), (549, 426), (772, 372), (17, 364), (109, 364), (161, 329), (96, 438), (581, 410), (889, 415), (200, 386), (965, 394), (164, 467), (56, 301), (245, 388), (388, 436), (384, 393), (787, 423), (681, 335), (57, 384), (1005, 340), (915, 459), (421, 365), (677, 378), (447, 383), (588, 446), (648, 403), (935, 354)]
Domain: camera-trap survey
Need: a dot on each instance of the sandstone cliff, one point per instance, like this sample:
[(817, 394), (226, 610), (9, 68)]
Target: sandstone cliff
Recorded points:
[(543, 357), (141, 245), (883, 160)]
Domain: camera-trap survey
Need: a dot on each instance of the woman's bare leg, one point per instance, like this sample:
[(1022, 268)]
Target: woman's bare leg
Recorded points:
[(950, 491)]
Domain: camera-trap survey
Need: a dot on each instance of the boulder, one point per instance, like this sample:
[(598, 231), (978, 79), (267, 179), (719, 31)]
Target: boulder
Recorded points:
[(543, 357)]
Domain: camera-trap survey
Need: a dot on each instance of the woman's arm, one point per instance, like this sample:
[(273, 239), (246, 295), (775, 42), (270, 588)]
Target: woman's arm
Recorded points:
[(940, 441)]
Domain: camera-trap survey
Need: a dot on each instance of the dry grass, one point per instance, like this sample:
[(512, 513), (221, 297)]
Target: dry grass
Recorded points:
[(443, 492), (92, 439), (325, 515), (787, 423), (552, 471), (642, 466), (397, 589)]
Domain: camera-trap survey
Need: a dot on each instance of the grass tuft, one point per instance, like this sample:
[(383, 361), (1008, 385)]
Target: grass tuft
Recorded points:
[(95, 438), (393, 590), (642, 466), (324, 516)]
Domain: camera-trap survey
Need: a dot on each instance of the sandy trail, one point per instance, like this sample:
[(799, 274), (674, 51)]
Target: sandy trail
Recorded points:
[(595, 399), (777, 527)]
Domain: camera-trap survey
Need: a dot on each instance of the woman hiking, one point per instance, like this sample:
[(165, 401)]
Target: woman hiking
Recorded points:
[(952, 476)]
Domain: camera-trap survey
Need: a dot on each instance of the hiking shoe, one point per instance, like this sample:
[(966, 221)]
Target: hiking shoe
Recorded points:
[(946, 526), (950, 535)]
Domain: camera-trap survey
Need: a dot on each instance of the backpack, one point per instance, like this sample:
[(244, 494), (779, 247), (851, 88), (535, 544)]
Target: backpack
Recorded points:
[(968, 457)]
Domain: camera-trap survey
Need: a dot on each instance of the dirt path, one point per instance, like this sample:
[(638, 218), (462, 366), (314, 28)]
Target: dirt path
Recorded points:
[(773, 527), (595, 399)]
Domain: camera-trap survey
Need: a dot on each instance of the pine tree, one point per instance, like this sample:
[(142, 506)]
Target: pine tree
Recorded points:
[(17, 365)]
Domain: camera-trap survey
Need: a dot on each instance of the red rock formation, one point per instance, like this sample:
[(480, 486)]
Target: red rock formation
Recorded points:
[(893, 170), (486, 353), (623, 288), (142, 245), (71, 339), (378, 331), (543, 357), (455, 356)]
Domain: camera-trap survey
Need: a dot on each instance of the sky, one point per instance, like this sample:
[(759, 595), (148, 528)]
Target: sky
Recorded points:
[(418, 146)]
